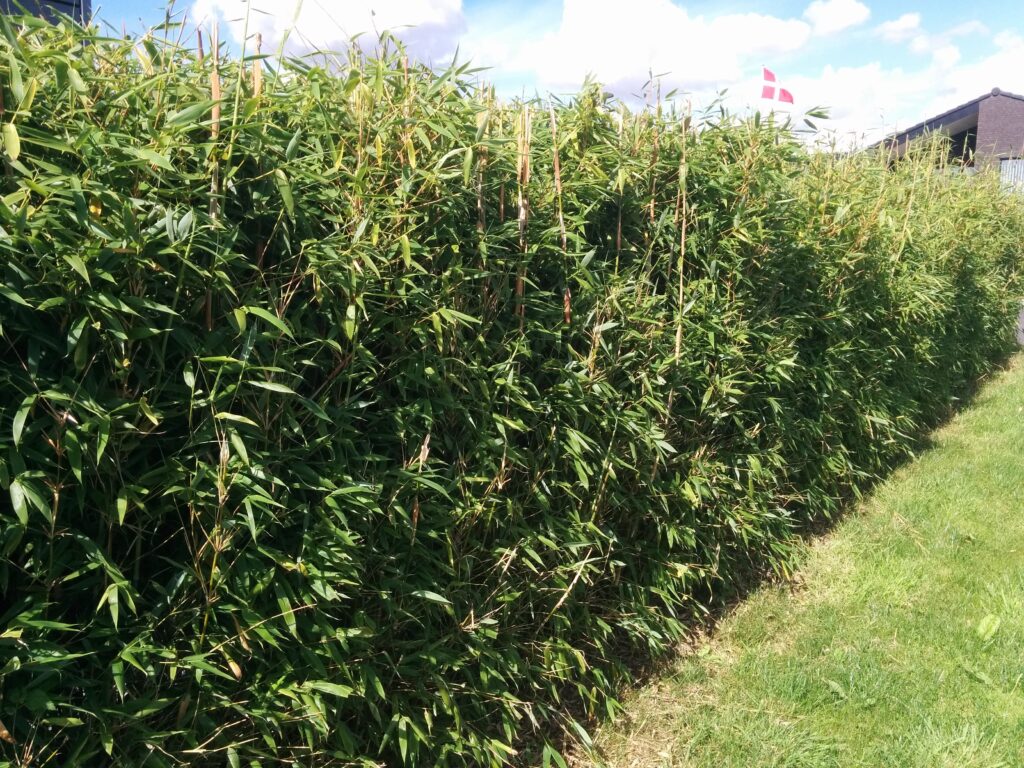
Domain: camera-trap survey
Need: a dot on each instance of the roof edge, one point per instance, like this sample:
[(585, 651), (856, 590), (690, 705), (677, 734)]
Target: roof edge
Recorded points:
[(925, 123)]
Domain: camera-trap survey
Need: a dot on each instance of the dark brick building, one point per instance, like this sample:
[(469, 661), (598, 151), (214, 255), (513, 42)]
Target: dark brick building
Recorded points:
[(79, 9), (986, 132)]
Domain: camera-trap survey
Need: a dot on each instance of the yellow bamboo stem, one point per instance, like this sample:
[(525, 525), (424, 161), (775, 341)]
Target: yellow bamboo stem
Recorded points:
[(525, 126), (257, 67), (567, 295)]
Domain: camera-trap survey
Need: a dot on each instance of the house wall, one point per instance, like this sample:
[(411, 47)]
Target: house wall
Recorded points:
[(80, 9), (1000, 128)]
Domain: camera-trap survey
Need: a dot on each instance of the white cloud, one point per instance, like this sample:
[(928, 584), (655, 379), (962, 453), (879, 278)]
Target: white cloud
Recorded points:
[(1003, 68), (945, 56), (620, 43), (903, 28), (431, 28), (973, 27), (864, 102), (939, 45), (1008, 39), (831, 16), (921, 43)]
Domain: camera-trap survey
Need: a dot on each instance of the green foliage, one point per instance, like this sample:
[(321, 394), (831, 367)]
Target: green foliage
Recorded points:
[(318, 450)]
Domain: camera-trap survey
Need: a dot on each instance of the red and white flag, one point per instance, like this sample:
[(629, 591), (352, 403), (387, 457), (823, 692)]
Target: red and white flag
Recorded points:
[(771, 91)]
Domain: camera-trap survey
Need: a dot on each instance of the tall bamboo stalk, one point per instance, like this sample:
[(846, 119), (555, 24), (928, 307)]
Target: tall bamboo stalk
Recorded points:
[(567, 295), (481, 167), (620, 183), (525, 126), (257, 67), (654, 154), (682, 216), (215, 116)]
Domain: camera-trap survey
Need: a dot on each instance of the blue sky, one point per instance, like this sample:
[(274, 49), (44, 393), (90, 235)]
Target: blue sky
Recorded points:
[(877, 66)]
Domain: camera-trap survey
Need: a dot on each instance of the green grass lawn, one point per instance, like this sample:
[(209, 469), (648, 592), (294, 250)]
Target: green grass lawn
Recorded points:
[(900, 644)]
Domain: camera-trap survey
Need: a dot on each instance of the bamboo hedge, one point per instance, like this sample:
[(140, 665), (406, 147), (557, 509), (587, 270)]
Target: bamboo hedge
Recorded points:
[(352, 416)]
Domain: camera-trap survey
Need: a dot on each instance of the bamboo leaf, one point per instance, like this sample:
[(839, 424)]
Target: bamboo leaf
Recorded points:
[(191, 114), (16, 82), (335, 689), (293, 145), (350, 321), (122, 506), (271, 318), (18, 501), (76, 81), (272, 386), (76, 263), (284, 186), (21, 416), (151, 157), (432, 597), (12, 142)]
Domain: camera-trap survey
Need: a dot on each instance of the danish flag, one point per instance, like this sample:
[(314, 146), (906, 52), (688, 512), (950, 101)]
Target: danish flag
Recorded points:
[(769, 88)]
